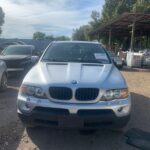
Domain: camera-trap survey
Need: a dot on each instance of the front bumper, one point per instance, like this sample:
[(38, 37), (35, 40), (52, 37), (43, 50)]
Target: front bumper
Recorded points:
[(39, 112)]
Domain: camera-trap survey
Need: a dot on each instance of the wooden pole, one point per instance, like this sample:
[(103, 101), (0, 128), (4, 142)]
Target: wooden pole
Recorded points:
[(140, 40), (109, 39), (147, 40), (133, 34)]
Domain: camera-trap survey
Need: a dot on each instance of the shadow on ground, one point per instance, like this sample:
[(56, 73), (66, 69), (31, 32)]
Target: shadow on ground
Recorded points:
[(45, 138), (11, 129)]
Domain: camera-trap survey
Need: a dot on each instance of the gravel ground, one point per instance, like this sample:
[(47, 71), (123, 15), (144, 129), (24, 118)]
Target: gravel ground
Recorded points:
[(14, 136)]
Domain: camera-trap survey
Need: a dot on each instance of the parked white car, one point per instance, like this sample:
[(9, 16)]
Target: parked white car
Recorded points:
[(3, 76)]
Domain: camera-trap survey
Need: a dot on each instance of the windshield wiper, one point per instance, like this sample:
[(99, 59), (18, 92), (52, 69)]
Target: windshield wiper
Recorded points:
[(73, 60), (91, 61), (54, 60)]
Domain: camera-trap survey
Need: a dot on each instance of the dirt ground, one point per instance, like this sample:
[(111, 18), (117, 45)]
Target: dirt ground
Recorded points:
[(13, 136)]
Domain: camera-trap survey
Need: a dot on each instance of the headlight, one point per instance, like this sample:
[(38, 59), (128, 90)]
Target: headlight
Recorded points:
[(32, 91), (115, 94)]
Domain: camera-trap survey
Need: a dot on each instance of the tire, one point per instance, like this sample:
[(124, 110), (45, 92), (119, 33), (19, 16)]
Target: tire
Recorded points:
[(121, 126), (3, 84)]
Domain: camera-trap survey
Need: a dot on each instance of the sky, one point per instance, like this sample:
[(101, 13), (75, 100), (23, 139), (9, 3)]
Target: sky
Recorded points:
[(56, 17)]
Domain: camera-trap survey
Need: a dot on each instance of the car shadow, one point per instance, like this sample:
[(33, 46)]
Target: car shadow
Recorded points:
[(46, 138), (11, 130)]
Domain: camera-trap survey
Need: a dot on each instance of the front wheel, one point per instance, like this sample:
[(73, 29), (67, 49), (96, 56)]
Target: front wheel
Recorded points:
[(3, 84)]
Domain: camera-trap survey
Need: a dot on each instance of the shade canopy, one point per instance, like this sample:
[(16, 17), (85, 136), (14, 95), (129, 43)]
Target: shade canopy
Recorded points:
[(122, 25)]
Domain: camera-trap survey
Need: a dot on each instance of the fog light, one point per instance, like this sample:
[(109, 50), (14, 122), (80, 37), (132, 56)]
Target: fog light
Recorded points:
[(120, 109), (124, 109), (25, 106)]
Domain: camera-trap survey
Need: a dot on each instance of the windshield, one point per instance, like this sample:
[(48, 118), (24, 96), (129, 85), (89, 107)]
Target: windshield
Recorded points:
[(17, 50), (76, 52)]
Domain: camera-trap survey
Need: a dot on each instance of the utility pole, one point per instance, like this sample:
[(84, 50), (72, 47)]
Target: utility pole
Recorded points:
[(132, 36), (109, 43)]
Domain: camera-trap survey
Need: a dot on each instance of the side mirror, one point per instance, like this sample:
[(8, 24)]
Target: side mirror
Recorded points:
[(113, 61), (40, 53), (35, 59), (36, 53)]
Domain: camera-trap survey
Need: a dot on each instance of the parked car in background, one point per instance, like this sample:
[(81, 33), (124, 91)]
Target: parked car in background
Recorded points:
[(117, 60), (74, 85), (19, 57), (3, 45), (3, 76)]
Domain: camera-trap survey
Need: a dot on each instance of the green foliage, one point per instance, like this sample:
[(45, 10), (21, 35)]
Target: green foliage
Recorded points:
[(50, 37), (43, 36), (114, 8), (39, 36), (62, 38), (142, 6), (109, 10), (82, 33), (96, 20), (2, 15)]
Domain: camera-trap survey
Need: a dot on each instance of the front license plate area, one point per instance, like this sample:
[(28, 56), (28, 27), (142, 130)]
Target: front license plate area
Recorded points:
[(70, 122)]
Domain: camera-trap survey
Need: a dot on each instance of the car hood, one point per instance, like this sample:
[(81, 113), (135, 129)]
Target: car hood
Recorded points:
[(64, 74), (13, 57)]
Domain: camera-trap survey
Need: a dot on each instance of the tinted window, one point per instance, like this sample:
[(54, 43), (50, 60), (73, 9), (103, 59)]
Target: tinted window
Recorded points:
[(18, 50), (76, 52)]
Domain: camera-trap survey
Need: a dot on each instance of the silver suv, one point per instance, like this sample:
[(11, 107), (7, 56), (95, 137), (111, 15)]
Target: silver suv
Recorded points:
[(74, 85), (3, 76)]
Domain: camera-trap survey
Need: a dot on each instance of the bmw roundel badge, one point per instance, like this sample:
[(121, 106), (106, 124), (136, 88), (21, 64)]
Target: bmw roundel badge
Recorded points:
[(74, 82)]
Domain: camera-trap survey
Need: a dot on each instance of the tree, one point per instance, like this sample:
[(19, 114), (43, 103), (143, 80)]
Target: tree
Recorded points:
[(62, 38), (39, 36), (95, 22), (142, 6), (2, 15), (43, 36), (113, 8), (81, 33), (50, 37)]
